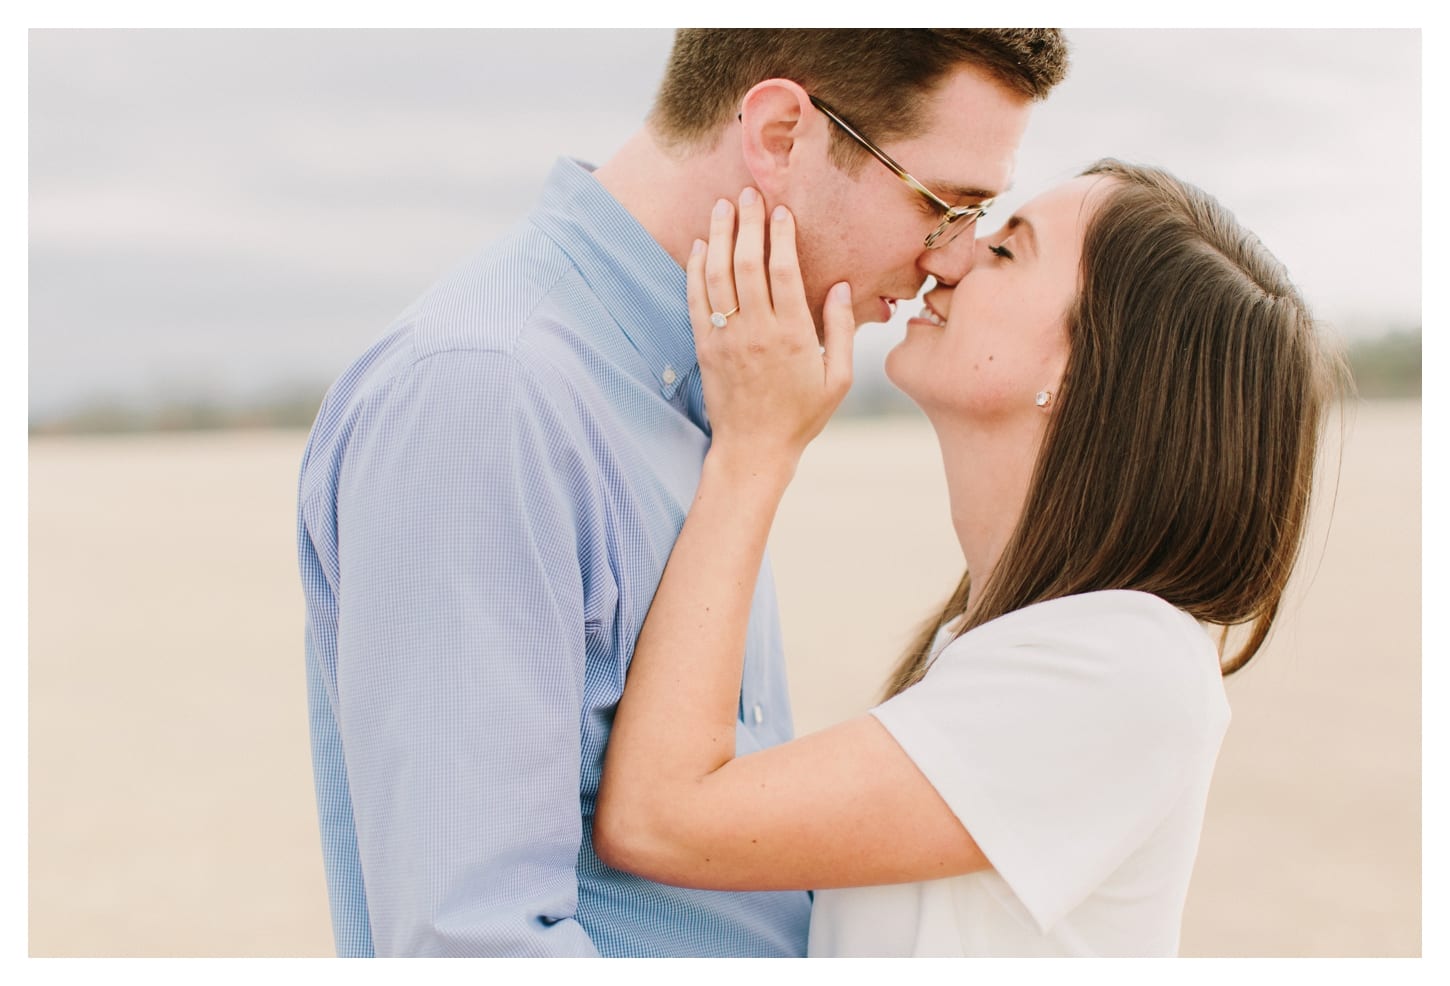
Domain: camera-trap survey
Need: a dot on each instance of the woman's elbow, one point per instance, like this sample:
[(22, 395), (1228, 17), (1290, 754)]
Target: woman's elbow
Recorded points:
[(628, 838), (611, 838)]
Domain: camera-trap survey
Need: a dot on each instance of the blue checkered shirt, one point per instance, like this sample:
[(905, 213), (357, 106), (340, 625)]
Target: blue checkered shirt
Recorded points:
[(487, 500)]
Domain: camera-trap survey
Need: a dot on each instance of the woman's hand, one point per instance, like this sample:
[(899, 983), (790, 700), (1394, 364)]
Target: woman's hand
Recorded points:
[(770, 386)]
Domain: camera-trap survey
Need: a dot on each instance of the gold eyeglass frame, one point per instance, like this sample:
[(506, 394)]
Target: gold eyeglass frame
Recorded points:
[(952, 215)]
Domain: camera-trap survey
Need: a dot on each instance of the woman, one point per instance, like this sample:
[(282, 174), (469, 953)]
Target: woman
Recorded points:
[(1127, 392)]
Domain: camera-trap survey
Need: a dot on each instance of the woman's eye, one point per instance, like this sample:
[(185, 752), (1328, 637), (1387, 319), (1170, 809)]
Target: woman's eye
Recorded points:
[(1002, 252)]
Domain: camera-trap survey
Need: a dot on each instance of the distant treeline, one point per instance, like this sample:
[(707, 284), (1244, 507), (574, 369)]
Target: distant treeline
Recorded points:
[(295, 409), (1385, 366)]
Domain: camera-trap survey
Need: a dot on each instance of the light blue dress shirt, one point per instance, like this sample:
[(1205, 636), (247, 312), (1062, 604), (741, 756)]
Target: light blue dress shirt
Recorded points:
[(487, 501)]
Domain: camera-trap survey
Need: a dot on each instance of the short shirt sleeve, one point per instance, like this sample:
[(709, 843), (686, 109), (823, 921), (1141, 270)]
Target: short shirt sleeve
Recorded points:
[(1061, 735)]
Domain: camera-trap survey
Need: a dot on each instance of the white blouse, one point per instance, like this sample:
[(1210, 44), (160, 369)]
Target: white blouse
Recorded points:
[(1075, 739)]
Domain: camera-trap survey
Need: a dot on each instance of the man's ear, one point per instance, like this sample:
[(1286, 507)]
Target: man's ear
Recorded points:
[(778, 129)]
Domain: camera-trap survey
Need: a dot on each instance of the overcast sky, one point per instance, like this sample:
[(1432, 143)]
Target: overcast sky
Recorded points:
[(229, 211)]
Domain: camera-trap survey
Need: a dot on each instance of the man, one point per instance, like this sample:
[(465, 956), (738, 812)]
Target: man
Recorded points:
[(490, 493)]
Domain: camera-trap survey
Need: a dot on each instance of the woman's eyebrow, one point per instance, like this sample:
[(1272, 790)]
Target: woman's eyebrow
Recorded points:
[(1019, 224)]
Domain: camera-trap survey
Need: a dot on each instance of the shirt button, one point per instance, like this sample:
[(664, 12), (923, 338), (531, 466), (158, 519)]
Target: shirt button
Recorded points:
[(759, 714), (668, 376)]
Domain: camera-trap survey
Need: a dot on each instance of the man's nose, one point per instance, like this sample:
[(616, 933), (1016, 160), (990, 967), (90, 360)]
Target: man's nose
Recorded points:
[(952, 261)]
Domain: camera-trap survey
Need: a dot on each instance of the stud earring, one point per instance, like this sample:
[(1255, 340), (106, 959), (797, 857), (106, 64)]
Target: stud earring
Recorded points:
[(1043, 398)]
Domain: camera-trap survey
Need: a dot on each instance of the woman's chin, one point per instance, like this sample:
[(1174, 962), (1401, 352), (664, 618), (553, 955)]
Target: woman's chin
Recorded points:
[(898, 369), (901, 382), (894, 368)]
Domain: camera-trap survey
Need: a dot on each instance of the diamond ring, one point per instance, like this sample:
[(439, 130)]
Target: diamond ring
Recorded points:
[(717, 319)]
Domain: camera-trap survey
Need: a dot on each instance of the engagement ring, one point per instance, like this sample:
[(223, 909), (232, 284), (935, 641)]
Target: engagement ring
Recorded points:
[(717, 319)]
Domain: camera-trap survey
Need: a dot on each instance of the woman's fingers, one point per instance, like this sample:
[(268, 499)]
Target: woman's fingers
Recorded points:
[(719, 258), (786, 286), (839, 337), (751, 292), (696, 293), (767, 383), (731, 271)]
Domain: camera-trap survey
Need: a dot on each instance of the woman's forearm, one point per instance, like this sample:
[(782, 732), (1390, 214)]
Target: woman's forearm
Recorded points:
[(676, 806), (676, 722)]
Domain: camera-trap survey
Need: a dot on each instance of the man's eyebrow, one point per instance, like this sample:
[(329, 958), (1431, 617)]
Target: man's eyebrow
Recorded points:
[(1019, 224), (955, 193)]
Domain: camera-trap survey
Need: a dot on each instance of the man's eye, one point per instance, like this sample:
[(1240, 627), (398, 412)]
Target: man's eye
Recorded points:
[(1002, 252)]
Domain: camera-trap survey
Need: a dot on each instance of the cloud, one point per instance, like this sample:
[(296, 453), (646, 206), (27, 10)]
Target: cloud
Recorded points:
[(240, 207)]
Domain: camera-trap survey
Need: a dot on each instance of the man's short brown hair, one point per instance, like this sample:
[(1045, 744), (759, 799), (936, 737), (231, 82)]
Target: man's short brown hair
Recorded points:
[(875, 77)]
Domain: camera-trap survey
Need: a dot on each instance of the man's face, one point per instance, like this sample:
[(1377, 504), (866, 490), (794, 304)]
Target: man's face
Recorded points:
[(869, 227)]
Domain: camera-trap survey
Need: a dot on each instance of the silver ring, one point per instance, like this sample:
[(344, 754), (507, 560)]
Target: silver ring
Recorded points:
[(718, 319)]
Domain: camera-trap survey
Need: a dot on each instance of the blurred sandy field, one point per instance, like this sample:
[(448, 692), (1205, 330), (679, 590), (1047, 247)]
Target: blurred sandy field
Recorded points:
[(171, 808)]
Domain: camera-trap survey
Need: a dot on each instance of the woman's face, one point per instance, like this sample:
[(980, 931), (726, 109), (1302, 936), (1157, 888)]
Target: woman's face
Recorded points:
[(982, 351)]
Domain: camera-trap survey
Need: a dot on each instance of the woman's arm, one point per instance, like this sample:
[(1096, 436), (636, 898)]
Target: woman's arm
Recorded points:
[(842, 807)]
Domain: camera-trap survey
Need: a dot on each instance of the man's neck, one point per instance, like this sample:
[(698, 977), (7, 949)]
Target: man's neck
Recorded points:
[(671, 195)]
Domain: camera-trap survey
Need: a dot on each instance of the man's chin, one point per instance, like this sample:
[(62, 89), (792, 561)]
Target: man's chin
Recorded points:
[(876, 310)]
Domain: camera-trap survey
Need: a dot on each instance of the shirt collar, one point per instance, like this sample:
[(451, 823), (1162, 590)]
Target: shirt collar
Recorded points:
[(632, 275)]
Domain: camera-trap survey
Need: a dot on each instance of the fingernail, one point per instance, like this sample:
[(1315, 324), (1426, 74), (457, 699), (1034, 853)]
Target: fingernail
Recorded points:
[(841, 293), (779, 213), (697, 248), (722, 208), (748, 197)]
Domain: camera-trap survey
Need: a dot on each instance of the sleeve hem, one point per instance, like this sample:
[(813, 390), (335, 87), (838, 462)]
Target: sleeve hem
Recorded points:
[(1008, 856)]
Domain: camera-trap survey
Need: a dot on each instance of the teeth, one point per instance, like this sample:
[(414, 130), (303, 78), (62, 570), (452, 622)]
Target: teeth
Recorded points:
[(933, 317)]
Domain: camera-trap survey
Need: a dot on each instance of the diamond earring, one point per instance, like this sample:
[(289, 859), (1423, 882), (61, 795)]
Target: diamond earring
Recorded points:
[(1043, 398)]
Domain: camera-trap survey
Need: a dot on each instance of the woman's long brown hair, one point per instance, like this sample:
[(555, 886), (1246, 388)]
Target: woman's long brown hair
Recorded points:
[(1179, 459)]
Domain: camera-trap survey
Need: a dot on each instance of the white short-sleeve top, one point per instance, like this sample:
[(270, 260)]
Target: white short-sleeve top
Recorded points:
[(1075, 739)]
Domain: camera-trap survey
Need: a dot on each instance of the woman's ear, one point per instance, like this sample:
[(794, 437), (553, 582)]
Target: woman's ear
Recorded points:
[(778, 127)]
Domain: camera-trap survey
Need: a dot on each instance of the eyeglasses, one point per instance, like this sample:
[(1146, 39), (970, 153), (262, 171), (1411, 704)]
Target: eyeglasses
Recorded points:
[(955, 218)]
